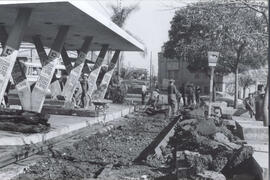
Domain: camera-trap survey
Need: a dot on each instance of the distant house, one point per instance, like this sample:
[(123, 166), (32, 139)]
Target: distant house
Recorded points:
[(259, 75), (177, 70)]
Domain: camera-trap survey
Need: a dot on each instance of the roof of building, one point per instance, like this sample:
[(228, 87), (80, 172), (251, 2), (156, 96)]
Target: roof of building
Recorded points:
[(48, 15)]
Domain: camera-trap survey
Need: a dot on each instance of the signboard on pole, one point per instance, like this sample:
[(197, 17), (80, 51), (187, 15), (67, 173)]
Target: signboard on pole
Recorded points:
[(212, 58)]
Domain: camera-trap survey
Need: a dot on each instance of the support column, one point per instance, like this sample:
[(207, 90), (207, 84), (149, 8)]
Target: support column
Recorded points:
[(85, 68), (40, 50), (18, 75), (102, 89), (92, 79), (47, 72), (54, 87), (3, 36), (211, 91), (66, 60), (10, 52), (75, 73)]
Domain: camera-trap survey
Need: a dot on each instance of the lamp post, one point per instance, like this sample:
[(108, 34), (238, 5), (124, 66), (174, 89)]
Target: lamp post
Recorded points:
[(212, 62)]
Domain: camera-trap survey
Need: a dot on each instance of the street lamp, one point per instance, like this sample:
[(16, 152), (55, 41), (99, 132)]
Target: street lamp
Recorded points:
[(212, 63)]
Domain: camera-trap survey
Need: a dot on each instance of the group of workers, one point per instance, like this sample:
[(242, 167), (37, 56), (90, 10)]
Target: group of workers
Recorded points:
[(190, 95), (187, 96), (254, 104)]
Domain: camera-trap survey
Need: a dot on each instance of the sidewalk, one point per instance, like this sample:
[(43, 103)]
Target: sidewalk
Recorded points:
[(256, 136), (61, 125)]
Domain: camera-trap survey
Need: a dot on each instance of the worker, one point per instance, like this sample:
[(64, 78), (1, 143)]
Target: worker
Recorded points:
[(250, 105), (85, 87), (172, 97), (144, 89), (197, 94)]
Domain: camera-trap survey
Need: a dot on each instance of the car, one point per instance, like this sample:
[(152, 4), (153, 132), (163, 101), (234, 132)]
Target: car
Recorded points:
[(224, 97)]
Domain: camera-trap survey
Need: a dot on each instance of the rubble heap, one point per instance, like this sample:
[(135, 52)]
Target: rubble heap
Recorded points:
[(23, 121), (206, 149)]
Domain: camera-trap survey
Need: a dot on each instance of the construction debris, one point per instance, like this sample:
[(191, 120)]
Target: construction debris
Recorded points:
[(23, 121)]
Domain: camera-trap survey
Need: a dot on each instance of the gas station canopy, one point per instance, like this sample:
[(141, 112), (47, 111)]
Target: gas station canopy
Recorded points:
[(48, 15)]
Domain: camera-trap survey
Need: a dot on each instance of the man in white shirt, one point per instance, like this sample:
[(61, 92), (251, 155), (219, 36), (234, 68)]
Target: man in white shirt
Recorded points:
[(144, 89)]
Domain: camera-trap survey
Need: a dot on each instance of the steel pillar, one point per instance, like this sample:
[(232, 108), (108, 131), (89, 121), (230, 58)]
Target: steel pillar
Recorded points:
[(92, 79), (75, 73), (47, 72), (102, 88), (9, 55)]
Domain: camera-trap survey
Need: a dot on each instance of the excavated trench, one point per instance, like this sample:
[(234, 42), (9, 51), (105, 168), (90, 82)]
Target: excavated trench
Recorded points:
[(135, 148), (90, 156)]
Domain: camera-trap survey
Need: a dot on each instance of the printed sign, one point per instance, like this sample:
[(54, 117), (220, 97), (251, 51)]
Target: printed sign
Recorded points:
[(212, 58), (6, 65), (46, 75), (7, 51), (74, 76), (100, 92), (92, 80)]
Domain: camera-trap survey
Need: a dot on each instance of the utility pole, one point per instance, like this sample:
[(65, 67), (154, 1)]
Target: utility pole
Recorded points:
[(212, 62), (151, 71)]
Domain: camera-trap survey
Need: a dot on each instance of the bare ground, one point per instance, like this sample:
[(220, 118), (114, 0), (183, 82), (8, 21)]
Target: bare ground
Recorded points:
[(106, 155)]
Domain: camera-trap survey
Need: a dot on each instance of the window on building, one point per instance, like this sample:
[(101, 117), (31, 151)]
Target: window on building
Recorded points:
[(172, 74)]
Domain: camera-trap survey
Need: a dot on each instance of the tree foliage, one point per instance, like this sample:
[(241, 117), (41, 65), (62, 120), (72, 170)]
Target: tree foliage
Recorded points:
[(232, 28), (120, 14), (237, 32)]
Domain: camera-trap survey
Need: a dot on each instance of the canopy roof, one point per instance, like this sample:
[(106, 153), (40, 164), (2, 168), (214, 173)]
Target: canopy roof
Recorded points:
[(48, 15)]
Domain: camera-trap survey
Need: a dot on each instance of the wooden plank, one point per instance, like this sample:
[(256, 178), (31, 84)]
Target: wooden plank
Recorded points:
[(10, 50), (47, 72), (101, 90)]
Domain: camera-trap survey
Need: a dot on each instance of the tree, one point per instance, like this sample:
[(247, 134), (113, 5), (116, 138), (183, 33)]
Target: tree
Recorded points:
[(245, 81), (119, 16), (234, 30)]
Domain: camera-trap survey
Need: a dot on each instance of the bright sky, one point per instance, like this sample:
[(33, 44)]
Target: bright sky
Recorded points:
[(150, 23)]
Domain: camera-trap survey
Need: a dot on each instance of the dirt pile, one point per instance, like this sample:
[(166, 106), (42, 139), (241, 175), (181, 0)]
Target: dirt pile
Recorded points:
[(206, 145), (23, 121)]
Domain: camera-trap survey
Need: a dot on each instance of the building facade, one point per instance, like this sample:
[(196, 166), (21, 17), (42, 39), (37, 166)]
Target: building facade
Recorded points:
[(177, 69)]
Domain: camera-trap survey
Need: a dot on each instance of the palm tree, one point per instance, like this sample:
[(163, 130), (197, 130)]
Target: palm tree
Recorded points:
[(119, 17)]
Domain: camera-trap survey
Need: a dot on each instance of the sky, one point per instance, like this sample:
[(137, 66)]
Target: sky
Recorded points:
[(150, 23)]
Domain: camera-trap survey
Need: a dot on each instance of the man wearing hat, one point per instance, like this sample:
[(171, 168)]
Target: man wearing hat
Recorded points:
[(85, 87), (172, 97)]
